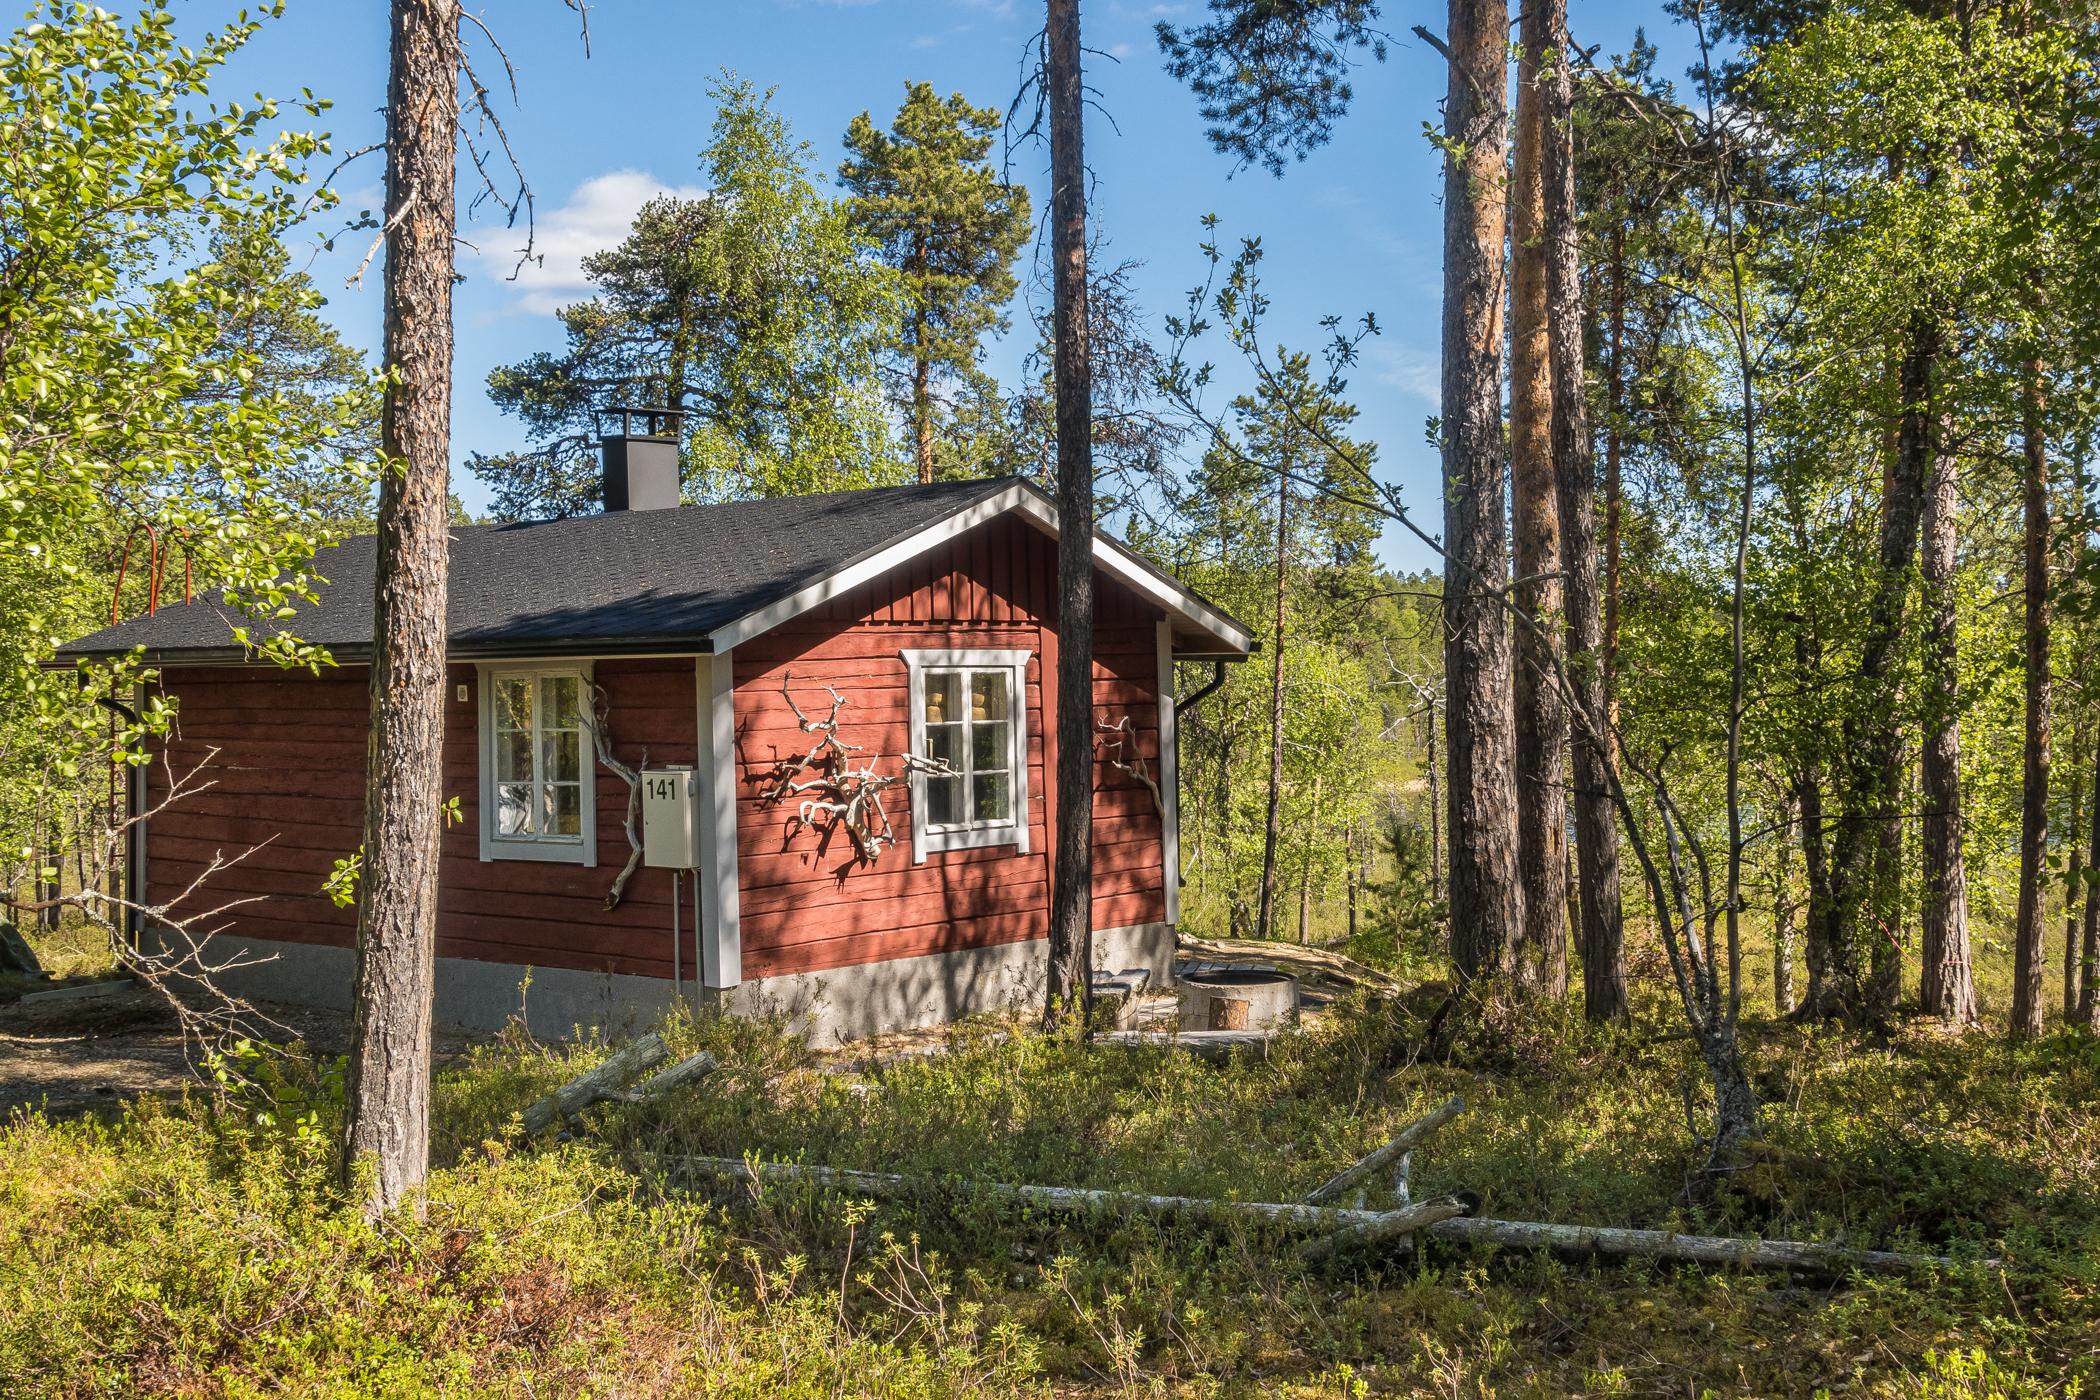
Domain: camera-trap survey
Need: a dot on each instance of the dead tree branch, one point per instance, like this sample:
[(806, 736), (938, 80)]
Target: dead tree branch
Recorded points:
[(601, 741), (172, 952), (1125, 740), (840, 791)]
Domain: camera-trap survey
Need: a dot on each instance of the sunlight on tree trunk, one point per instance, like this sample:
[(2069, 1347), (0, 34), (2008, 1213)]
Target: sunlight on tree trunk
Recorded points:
[(1480, 775), (1599, 915), (1071, 911), (1949, 987), (388, 1131), (1272, 832), (2030, 938), (1541, 724)]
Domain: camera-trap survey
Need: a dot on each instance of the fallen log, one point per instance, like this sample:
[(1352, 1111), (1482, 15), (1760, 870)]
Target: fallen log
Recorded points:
[(1396, 1225), (1437, 1218), (1078, 1200), (690, 1070), (1365, 1167), (1314, 961), (1612, 1242), (598, 1085)]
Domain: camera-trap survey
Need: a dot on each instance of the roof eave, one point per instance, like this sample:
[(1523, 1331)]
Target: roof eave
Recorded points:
[(1233, 638)]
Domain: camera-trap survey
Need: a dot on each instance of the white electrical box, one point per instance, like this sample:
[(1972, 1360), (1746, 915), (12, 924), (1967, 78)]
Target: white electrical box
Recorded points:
[(671, 818)]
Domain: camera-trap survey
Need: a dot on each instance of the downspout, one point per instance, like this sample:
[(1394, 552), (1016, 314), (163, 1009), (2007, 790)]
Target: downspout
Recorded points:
[(1181, 708), (134, 828)]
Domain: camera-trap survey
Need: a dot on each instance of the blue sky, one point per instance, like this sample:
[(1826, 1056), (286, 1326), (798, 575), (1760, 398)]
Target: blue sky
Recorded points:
[(1355, 228)]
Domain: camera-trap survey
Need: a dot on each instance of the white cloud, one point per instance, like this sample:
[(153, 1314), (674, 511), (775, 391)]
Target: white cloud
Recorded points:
[(1415, 373), (595, 217)]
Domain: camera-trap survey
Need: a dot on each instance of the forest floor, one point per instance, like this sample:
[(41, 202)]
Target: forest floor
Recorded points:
[(196, 1243)]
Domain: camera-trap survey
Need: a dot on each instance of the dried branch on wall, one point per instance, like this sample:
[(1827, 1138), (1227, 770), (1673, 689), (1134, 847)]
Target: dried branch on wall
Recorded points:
[(1125, 741), (173, 952), (829, 790), (601, 740)]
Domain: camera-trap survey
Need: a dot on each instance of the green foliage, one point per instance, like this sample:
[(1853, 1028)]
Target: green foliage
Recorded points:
[(138, 418), (1287, 461), (925, 198), (756, 308), (195, 1249)]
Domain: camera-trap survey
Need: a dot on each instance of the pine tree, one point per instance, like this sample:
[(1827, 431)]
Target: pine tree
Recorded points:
[(1068, 994), (388, 1118), (923, 195), (753, 309)]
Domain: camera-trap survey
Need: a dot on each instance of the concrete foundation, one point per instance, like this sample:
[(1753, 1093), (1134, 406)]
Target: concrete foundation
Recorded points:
[(839, 1004)]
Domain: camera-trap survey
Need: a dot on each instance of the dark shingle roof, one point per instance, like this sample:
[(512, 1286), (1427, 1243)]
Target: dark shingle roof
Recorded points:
[(647, 578)]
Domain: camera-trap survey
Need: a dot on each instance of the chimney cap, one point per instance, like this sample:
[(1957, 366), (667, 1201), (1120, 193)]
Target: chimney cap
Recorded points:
[(660, 423)]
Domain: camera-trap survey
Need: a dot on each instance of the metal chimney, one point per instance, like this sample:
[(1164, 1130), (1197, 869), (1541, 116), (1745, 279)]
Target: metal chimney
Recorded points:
[(641, 468)]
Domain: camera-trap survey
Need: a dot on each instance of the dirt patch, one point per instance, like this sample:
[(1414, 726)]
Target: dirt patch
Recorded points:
[(68, 1058)]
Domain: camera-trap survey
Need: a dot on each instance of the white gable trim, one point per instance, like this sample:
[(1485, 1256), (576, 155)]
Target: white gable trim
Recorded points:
[(1113, 559), (1169, 776), (718, 926)]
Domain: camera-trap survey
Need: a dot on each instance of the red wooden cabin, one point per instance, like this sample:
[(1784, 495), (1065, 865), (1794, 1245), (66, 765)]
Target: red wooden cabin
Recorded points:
[(695, 634)]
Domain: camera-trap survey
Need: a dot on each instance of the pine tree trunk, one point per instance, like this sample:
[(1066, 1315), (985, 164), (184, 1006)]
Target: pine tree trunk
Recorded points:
[(2089, 947), (388, 1129), (1863, 866), (2074, 871), (1614, 435), (1071, 912), (1783, 908), (1352, 875), (922, 399), (1540, 717), (1949, 985), (1819, 922), (1272, 832), (1480, 738), (1436, 814), (1305, 871), (2029, 937), (1598, 910)]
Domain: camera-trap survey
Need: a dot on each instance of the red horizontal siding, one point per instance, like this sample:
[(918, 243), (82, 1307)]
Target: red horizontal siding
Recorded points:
[(284, 756), (808, 904), (286, 763)]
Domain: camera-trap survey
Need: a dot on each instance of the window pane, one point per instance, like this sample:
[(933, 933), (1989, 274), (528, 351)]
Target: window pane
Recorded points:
[(988, 746), (988, 694), (564, 807), (513, 756), (944, 744), (993, 797), (514, 809), (943, 696), (943, 801), (514, 703), (561, 757), (559, 700)]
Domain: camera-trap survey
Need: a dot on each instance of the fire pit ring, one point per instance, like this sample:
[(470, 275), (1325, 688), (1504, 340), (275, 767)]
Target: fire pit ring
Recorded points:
[(1234, 999)]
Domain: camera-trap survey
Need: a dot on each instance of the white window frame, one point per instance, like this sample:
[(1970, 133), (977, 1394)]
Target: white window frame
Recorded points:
[(570, 850), (926, 839)]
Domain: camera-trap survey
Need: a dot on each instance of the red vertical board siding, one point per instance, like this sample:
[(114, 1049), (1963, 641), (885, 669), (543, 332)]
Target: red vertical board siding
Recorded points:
[(807, 902), (285, 755)]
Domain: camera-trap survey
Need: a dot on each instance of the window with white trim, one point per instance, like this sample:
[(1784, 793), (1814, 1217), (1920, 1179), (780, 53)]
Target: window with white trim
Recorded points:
[(969, 712), (536, 768)]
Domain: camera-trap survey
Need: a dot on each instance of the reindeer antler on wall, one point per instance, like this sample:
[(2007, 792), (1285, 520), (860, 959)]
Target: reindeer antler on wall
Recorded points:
[(1125, 740), (601, 739), (835, 793)]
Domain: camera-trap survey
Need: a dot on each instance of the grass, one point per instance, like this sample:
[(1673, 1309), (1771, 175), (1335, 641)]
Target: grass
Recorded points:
[(194, 1248), (76, 949)]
